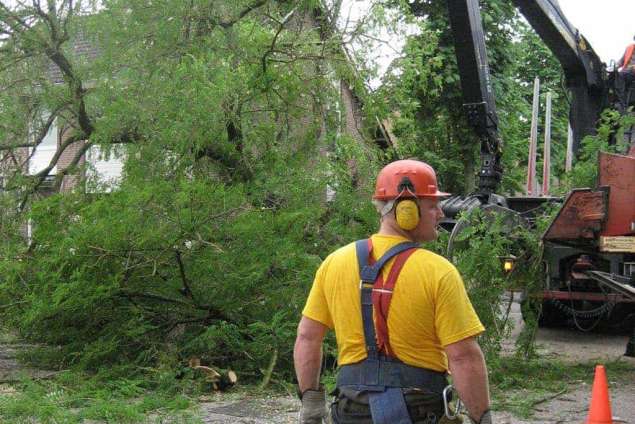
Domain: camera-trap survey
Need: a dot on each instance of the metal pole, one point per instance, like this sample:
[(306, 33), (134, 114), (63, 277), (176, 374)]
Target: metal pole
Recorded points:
[(569, 157), (533, 141), (546, 163)]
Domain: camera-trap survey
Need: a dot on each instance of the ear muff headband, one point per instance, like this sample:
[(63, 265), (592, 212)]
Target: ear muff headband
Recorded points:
[(407, 214)]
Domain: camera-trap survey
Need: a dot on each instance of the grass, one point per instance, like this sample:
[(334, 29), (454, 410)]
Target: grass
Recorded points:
[(119, 395), (73, 397), (7, 337), (76, 397), (518, 385)]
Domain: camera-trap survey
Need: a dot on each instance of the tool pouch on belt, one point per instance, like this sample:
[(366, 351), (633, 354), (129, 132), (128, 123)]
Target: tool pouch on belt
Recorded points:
[(355, 407)]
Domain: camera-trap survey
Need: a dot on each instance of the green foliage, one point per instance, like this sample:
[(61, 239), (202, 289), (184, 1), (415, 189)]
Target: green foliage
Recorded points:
[(478, 249), (609, 138), (532, 277), (424, 88), (188, 266), (208, 246)]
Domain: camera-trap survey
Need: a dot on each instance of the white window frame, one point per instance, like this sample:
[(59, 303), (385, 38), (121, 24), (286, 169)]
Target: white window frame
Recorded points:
[(104, 174), (44, 152)]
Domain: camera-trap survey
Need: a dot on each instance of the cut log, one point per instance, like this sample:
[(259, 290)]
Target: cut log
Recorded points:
[(217, 378)]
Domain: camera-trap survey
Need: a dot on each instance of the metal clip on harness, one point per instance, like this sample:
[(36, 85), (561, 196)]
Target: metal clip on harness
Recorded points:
[(446, 403)]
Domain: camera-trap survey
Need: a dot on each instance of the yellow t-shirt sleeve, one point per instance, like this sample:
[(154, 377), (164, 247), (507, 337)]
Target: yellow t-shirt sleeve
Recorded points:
[(455, 318), (316, 307)]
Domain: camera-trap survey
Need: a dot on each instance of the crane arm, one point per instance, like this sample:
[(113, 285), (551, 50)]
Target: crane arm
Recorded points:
[(478, 96), (585, 74)]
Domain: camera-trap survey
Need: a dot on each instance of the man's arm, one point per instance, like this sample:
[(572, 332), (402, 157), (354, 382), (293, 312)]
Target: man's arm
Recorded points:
[(469, 375), (307, 353)]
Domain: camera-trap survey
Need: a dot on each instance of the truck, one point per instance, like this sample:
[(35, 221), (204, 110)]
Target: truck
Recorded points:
[(589, 248)]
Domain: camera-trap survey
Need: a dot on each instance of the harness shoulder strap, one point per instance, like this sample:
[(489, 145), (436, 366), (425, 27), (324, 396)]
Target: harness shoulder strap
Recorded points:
[(362, 250), (382, 296), (368, 276), (365, 284), (369, 273)]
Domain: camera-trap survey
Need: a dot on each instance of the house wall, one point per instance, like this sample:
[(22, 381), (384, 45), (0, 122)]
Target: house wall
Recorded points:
[(71, 180)]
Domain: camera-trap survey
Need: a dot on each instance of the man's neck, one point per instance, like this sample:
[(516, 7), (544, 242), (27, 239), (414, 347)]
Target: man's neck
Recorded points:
[(387, 228)]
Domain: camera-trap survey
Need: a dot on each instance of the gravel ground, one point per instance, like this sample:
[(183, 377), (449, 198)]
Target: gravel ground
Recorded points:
[(569, 408)]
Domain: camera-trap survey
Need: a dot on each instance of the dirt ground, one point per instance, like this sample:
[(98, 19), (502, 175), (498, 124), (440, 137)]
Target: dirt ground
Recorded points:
[(569, 408), (570, 345)]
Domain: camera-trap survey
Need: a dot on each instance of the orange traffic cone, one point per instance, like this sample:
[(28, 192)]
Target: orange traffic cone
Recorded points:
[(600, 409)]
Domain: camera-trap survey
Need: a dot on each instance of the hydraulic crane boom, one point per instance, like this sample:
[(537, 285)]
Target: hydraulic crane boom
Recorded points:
[(479, 104), (585, 74)]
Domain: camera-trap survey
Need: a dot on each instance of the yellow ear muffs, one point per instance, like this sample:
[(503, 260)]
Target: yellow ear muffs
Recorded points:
[(407, 214)]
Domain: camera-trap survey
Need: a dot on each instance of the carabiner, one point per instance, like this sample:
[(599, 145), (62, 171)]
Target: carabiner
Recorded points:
[(446, 403)]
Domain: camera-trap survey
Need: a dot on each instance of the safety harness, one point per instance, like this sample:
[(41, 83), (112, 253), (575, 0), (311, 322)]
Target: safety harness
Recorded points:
[(382, 374)]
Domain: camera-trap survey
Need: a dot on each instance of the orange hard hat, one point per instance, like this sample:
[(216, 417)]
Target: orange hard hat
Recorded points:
[(407, 178)]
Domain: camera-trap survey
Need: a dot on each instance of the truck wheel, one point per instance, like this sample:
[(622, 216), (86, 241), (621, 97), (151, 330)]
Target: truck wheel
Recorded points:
[(546, 313), (551, 315)]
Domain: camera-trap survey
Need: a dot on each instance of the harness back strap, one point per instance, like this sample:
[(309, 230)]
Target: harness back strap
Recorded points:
[(368, 277), (382, 296), (389, 407)]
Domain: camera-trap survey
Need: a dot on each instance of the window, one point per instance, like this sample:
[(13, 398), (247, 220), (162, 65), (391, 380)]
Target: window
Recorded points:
[(104, 171), (44, 152)]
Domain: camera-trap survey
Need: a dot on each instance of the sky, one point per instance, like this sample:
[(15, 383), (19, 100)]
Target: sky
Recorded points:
[(608, 25)]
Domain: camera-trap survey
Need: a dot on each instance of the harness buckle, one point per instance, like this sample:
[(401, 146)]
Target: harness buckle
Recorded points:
[(368, 283)]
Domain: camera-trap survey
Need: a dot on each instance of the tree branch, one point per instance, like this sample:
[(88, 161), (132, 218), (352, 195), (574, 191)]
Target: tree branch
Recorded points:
[(78, 156), (41, 176), (186, 291), (281, 25), (23, 25), (243, 13), (213, 312), (76, 87)]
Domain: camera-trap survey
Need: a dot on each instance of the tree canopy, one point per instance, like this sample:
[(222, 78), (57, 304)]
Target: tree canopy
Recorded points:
[(247, 130)]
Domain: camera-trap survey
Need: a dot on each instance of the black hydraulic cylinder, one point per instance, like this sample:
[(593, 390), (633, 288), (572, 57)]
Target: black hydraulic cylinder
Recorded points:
[(478, 96), (471, 56)]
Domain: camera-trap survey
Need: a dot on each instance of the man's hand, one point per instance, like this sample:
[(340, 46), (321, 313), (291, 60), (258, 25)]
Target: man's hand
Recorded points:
[(313, 409)]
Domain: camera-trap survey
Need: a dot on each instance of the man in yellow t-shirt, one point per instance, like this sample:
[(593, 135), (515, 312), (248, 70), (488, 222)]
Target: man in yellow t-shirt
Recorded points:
[(430, 329)]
